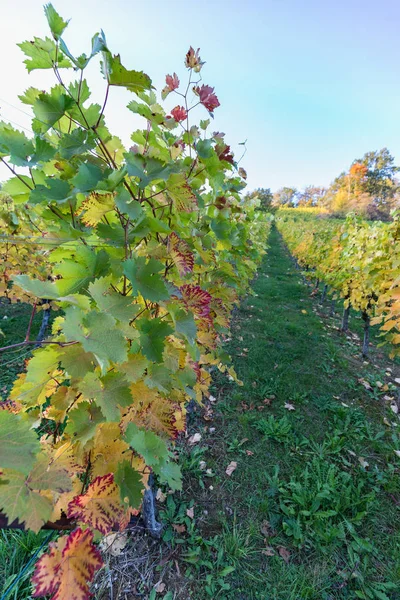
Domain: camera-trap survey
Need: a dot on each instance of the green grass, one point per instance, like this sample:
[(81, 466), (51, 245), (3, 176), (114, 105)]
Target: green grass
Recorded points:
[(305, 483)]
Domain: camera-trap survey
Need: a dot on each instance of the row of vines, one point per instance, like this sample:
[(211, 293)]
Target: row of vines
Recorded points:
[(359, 261), (141, 253)]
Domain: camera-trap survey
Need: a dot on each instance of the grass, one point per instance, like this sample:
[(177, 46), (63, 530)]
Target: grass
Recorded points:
[(312, 509), (303, 515)]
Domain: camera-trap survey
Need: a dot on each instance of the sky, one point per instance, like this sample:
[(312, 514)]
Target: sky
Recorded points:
[(310, 84)]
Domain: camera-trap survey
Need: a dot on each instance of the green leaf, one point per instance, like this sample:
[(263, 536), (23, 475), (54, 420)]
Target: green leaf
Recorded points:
[(184, 323), (171, 474), (76, 143), (19, 501), (117, 74), (42, 54), (147, 170), (83, 420), (76, 361), (87, 177), (49, 108), (152, 337), (19, 444), (56, 23), (43, 151), (15, 144), (145, 278), (116, 393), (146, 443), (127, 205), (77, 272), (97, 332), (30, 96), (107, 300), (40, 289), (55, 190), (204, 148), (19, 188), (130, 484), (135, 367)]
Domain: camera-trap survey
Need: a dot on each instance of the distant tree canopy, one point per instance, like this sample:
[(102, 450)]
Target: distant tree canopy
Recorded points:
[(265, 197), (369, 188)]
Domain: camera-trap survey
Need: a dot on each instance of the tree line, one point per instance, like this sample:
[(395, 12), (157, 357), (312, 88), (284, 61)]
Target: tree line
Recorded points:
[(369, 187)]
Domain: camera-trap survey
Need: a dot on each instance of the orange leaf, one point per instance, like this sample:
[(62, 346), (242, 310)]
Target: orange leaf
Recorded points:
[(101, 506), (68, 567)]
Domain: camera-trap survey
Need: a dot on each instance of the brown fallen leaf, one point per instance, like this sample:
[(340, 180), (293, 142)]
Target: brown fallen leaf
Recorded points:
[(160, 587), (114, 543), (231, 467), (267, 401), (160, 496), (249, 453), (284, 553), (190, 512), (194, 439), (289, 406), (266, 529), (268, 551), (179, 528)]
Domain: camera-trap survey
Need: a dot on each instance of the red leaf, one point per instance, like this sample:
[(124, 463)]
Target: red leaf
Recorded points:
[(179, 113), (100, 506), (181, 254), (224, 153), (193, 60), (196, 300), (68, 567), (207, 97), (172, 82)]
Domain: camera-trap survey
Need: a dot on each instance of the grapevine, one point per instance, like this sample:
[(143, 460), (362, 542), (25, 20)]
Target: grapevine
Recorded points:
[(143, 253)]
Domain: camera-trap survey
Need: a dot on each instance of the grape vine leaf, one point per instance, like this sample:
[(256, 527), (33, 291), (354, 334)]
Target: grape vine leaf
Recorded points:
[(130, 484), (19, 500), (19, 444), (145, 278), (152, 337), (42, 54), (108, 301), (97, 332), (100, 506), (67, 568), (146, 443), (56, 23), (117, 74)]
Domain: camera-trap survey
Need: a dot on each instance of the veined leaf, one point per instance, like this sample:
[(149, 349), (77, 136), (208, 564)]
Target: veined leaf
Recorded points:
[(145, 278), (66, 570), (19, 444), (100, 507)]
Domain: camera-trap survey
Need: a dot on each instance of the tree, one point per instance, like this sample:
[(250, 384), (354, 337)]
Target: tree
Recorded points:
[(285, 196), (310, 196), (264, 195)]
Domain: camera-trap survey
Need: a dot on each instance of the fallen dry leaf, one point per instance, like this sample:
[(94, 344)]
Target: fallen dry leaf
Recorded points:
[(363, 462), (289, 406), (269, 551), (160, 496), (231, 467), (249, 453), (114, 543), (266, 529), (190, 512), (194, 439), (394, 408), (397, 453), (160, 587), (179, 528), (284, 553)]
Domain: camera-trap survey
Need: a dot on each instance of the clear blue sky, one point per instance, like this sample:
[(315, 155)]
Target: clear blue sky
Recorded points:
[(311, 84)]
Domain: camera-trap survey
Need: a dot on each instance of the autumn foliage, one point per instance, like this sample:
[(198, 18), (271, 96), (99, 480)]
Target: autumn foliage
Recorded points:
[(142, 262)]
